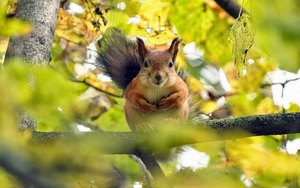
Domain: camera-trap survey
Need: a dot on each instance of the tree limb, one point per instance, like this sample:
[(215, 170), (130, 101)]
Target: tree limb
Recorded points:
[(223, 129), (143, 144), (231, 7)]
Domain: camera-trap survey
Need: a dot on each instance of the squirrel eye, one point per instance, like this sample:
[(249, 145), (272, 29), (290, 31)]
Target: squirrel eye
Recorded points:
[(146, 64), (171, 64)]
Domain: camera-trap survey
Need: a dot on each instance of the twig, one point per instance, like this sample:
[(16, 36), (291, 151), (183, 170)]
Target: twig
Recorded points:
[(84, 82), (280, 83), (240, 13), (144, 169)]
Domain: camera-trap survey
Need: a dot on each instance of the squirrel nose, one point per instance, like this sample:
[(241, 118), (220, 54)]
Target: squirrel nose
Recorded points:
[(158, 77)]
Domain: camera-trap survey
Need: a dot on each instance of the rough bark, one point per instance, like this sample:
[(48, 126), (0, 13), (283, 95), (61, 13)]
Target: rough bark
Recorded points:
[(36, 47)]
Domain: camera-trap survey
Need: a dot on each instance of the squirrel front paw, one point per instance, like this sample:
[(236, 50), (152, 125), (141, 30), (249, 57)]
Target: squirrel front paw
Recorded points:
[(145, 106), (167, 102), (149, 108)]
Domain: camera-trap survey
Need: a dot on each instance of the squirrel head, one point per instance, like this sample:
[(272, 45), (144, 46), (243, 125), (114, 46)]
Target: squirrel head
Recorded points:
[(157, 66)]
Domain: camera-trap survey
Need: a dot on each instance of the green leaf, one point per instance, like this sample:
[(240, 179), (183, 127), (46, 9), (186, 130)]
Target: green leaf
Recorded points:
[(241, 37), (197, 22)]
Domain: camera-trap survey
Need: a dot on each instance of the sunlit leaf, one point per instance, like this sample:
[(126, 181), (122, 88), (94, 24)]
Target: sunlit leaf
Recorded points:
[(118, 19), (263, 163), (266, 106), (242, 104), (13, 27), (197, 21), (241, 37), (155, 13)]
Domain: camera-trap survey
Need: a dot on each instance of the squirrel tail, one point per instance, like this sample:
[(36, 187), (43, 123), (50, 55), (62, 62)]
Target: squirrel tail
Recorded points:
[(118, 57)]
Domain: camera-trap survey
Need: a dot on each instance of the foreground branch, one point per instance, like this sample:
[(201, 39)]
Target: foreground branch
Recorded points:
[(143, 144)]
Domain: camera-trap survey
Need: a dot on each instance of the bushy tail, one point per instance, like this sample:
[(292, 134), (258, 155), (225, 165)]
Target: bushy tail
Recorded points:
[(118, 57)]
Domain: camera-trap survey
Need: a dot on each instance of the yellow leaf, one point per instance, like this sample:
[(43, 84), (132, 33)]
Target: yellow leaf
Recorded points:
[(14, 26), (241, 37)]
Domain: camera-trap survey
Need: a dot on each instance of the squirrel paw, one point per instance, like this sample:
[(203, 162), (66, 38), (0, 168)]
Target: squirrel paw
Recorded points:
[(166, 103), (145, 106), (149, 108)]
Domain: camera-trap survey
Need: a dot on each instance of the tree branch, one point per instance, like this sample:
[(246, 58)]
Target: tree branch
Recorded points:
[(143, 144), (231, 7), (223, 129)]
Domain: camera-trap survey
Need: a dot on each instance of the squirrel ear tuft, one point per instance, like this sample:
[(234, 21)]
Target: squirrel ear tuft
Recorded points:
[(142, 48), (173, 49)]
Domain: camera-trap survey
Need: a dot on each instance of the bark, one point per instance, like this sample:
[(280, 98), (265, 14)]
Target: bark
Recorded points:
[(36, 47)]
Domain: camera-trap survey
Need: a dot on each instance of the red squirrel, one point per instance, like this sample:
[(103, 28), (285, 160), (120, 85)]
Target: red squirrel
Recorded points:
[(153, 91)]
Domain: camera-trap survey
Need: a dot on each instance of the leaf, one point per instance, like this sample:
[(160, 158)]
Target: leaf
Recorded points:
[(197, 22), (14, 26), (241, 37)]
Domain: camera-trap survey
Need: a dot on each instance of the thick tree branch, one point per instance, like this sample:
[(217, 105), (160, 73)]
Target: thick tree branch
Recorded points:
[(231, 7), (204, 131), (259, 125)]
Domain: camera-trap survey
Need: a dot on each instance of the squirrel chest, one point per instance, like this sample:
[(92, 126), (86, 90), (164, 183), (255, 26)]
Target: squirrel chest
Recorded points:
[(151, 93), (146, 106)]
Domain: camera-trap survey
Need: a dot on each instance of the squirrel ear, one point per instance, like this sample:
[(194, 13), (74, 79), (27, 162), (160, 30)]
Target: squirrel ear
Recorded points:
[(173, 49), (142, 48)]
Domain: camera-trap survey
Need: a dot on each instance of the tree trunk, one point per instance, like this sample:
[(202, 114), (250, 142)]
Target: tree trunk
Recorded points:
[(36, 47)]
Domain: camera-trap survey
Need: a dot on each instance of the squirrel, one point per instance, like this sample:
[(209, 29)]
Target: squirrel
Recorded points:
[(153, 90)]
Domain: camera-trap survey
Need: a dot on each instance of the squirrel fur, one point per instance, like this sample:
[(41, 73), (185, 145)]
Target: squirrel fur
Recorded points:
[(153, 90)]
